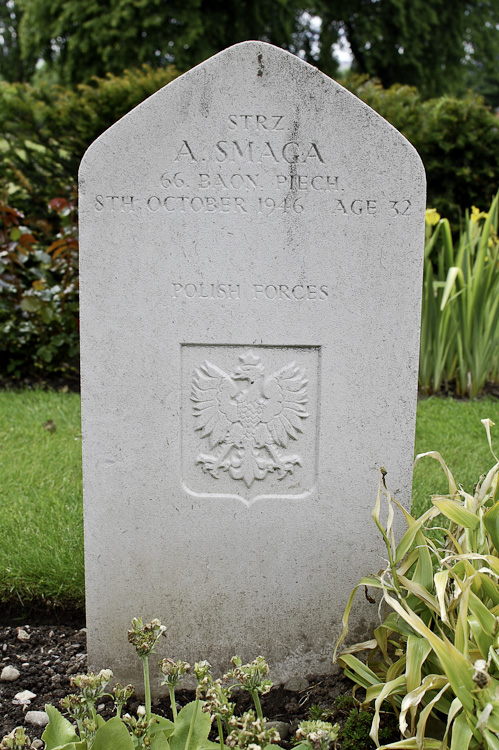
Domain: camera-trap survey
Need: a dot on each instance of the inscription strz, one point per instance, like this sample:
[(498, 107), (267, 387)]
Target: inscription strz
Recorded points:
[(249, 418)]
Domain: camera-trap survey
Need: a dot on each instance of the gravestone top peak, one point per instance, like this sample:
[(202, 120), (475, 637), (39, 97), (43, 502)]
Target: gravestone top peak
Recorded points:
[(251, 245)]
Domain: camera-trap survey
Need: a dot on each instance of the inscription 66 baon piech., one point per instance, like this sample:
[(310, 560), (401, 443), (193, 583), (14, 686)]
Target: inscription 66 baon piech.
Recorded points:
[(249, 418)]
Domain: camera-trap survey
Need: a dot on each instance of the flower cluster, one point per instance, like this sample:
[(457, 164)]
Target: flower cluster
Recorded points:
[(249, 732), (139, 726), (121, 696), (16, 740), (251, 676), (318, 735), (92, 686), (145, 637), (217, 702), (202, 670), (173, 671)]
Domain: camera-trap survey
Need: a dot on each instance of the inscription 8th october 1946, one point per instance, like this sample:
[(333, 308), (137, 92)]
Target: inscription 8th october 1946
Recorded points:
[(243, 205)]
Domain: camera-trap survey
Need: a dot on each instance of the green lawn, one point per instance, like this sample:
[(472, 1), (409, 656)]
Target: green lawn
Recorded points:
[(41, 524), (454, 429), (41, 521)]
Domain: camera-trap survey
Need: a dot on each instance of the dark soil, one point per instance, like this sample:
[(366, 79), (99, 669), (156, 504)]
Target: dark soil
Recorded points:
[(53, 653)]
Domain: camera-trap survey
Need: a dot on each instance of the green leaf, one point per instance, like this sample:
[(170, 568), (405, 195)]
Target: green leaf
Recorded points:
[(59, 731), (455, 512), (456, 667), (165, 726), (159, 742), (113, 735), (363, 675), (15, 234), (31, 304), (413, 744), (491, 741), (452, 273), (417, 651), (200, 731), (491, 523)]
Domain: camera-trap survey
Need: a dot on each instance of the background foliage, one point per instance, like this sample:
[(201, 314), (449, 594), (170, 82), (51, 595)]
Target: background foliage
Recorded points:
[(440, 47), (47, 128)]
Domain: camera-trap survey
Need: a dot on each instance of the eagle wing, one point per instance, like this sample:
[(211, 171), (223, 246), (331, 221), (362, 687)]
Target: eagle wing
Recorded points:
[(284, 409), (212, 394)]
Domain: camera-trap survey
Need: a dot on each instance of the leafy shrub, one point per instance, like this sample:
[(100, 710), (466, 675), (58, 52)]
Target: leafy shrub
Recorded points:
[(436, 655), (460, 313), (38, 295), (457, 139)]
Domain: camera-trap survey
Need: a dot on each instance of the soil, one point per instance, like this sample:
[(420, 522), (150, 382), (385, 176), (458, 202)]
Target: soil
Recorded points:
[(46, 657)]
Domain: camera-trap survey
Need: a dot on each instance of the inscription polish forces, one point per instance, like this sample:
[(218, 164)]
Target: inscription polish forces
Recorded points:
[(221, 291)]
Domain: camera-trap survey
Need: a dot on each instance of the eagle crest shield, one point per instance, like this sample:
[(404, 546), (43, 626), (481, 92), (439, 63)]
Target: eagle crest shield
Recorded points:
[(249, 418)]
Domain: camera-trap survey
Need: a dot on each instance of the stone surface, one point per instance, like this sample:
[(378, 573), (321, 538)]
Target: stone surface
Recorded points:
[(279, 726), (9, 674), (296, 684), (37, 718), (251, 243)]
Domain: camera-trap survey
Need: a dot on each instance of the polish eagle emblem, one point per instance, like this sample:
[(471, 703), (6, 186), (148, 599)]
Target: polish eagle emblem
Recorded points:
[(249, 418)]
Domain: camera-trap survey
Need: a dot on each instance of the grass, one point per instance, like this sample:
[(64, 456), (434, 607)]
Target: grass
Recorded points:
[(41, 518), (454, 429), (41, 522)]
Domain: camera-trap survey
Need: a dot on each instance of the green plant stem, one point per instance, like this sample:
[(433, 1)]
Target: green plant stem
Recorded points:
[(220, 733), (81, 731), (191, 726), (147, 686), (171, 690), (258, 705)]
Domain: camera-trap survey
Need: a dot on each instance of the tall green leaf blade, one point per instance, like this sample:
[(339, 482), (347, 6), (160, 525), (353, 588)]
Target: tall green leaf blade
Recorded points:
[(456, 513), (455, 666), (412, 744), (362, 672), (461, 733), (417, 650), (491, 740), (491, 523)]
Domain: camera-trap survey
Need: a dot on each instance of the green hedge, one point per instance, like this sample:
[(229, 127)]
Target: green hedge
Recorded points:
[(44, 132), (457, 139)]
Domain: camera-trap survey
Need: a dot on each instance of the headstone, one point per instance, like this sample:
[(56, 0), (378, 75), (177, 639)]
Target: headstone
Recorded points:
[(251, 260)]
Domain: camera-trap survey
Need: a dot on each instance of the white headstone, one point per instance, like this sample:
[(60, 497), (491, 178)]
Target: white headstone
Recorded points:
[(251, 259)]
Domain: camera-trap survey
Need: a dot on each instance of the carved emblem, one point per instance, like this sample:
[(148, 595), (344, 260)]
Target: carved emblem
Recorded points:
[(249, 418)]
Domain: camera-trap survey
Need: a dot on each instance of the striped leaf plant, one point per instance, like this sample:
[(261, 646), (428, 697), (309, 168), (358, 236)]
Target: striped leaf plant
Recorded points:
[(435, 656), (460, 310)]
